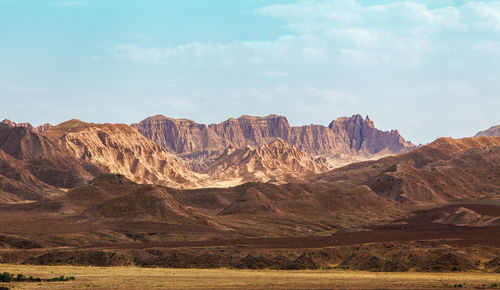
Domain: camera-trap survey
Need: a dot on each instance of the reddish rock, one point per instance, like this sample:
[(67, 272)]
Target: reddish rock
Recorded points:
[(343, 135), (42, 128), (38, 129)]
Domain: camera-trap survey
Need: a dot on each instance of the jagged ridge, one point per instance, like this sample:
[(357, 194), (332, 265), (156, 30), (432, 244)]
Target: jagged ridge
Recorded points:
[(344, 135)]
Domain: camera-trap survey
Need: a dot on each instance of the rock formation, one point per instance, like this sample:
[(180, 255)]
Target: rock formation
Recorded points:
[(277, 162), (42, 128), (118, 148), (344, 135), (37, 129), (361, 135), (31, 166)]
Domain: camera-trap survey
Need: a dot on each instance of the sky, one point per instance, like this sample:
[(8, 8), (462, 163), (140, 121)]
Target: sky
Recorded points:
[(426, 68)]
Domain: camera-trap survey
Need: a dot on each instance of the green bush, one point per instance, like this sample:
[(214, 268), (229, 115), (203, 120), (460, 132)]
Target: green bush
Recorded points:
[(6, 277)]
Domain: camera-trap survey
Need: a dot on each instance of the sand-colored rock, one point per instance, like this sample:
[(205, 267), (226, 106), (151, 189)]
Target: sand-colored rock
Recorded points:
[(32, 166), (277, 162), (118, 148)]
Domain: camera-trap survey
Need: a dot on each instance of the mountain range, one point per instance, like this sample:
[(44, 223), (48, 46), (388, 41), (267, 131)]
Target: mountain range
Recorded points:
[(163, 183), (183, 154)]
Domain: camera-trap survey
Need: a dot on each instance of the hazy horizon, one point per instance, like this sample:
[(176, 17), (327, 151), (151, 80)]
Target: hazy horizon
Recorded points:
[(426, 68)]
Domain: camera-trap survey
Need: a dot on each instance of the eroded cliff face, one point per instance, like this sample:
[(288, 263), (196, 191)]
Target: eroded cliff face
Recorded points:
[(343, 135), (277, 162), (361, 135), (118, 148)]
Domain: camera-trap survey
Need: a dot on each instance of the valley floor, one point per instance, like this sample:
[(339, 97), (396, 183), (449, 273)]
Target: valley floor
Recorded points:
[(149, 278)]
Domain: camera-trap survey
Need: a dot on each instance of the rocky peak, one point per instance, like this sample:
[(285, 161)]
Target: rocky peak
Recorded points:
[(361, 135), (42, 128), (493, 131), (37, 129), (8, 122), (176, 135), (14, 124)]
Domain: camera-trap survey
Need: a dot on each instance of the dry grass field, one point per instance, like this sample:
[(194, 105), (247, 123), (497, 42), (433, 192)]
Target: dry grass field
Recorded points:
[(155, 278)]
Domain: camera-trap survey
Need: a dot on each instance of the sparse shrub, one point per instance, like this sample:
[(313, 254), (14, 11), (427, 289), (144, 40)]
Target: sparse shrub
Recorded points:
[(61, 278), (6, 277)]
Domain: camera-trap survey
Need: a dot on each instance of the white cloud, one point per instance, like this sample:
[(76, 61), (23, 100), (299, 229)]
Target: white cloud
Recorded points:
[(391, 61), (400, 33)]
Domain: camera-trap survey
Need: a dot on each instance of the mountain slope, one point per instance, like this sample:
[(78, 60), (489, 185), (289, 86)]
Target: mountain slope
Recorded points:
[(277, 162), (45, 159), (445, 170), (493, 131), (118, 148), (31, 165)]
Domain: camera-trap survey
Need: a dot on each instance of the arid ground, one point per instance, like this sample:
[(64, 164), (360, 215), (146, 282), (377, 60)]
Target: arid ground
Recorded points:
[(149, 278)]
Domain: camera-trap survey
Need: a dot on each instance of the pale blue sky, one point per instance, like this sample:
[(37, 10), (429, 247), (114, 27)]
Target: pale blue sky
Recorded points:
[(427, 68)]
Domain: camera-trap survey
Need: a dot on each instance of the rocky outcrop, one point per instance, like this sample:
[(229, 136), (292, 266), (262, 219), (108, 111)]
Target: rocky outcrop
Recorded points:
[(37, 129), (42, 128), (14, 124), (344, 135), (276, 162), (361, 135), (118, 148), (493, 131)]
